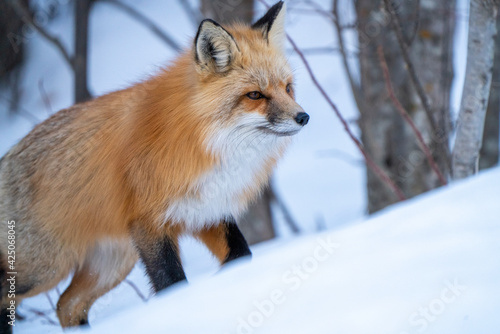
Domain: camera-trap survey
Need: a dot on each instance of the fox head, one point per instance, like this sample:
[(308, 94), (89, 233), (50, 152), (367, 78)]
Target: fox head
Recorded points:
[(245, 69)]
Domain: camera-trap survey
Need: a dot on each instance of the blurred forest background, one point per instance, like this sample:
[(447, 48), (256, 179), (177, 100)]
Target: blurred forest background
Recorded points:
[(397, 58)]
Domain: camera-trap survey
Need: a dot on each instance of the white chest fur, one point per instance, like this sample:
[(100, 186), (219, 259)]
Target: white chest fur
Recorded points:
[(243, 155)]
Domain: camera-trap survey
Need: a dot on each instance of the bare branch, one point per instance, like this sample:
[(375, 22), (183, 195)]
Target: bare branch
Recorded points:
[(43, 315), (286, 213), (23, 112), (136, 289), (354, 87), (320, 223), (25, 15), (80, 56), (319, 50), (147, 22), (341, 155), (407, 118), (50, 301), (193, 14), (45, 97), (369, 161), (417, 23), (317, 9), (396, 26)]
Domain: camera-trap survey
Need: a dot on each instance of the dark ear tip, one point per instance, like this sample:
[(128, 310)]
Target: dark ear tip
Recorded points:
[(277, 6), (209, 21), (202, 23), (270, 16)]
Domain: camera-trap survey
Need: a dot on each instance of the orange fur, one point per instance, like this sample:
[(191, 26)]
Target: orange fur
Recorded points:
[(213, 238)]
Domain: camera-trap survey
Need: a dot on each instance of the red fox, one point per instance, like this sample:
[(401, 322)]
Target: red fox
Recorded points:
[(101, 184)]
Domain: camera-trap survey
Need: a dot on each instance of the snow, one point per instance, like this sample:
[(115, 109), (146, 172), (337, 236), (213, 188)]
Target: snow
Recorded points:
[(383, 270), (429, 265)]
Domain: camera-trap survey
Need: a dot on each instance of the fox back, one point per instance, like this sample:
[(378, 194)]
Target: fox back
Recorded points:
[(102, 183)]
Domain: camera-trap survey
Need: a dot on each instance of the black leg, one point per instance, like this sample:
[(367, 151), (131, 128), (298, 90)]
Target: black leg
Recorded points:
[(84, 322), (161, 258), (236, 243)]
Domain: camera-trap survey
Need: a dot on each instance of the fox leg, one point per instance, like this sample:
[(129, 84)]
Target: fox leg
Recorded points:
[(160, 254), (225, 241), (104, 268)]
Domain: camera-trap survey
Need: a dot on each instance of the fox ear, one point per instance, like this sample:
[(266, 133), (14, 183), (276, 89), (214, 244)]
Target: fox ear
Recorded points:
[(215, 48), (273, 25)]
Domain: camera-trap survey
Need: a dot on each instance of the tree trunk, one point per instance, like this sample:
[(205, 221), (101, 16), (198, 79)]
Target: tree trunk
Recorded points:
[(256, 223), (428, 31), (478, 73), (378, 131), (11, 51), (489, 150), (82, 9), (227, 11), (12, 41)]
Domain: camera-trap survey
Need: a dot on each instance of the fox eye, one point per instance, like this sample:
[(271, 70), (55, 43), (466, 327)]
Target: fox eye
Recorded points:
[(289, 88), (255, 95)]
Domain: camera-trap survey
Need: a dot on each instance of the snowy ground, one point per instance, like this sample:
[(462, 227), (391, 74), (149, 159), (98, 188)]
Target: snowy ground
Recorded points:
[(429, 265), (364, 284)]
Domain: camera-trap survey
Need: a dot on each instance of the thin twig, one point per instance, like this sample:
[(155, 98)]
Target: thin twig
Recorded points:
[(396, 25), (147, 22), (193, 14), (24, 14), (407, 118), (50, 301), (325, 13), (320, 223), (286, 213), (317, 9), (42, 314), (14, 83), (45, 97), (369, 161), (136, 289), (417, 23), (354, 87), (23, 112), (340, 155), (319, 50)]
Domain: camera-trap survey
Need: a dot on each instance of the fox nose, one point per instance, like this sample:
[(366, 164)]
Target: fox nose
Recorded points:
[(302, 118)]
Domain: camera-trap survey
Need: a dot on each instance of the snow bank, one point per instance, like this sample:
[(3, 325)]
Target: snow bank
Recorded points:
[(429, 265)]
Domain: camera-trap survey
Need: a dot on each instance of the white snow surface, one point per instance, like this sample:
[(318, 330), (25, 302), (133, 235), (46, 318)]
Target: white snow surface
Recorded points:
[(429, 265)]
